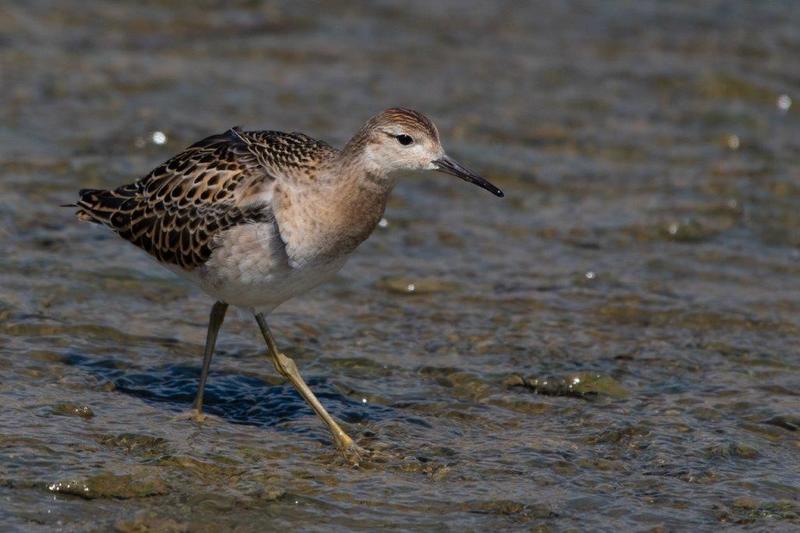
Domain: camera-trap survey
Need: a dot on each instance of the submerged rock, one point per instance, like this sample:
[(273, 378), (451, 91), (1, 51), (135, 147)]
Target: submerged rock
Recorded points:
[(689, 231), (134, 443), (732, 450), (72, 409), (108, 485), (792, 423), (586, 385), (148, 522), (622, 434), (516, 509), (748, 510), (402, 285)]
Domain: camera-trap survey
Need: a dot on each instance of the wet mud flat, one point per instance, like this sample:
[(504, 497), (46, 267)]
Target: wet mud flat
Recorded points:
[(613, 346)]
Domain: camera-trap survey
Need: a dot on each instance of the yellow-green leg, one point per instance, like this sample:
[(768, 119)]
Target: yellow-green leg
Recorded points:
[(288, 369)]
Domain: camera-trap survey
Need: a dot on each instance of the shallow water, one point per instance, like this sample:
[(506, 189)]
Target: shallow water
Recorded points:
[(613, 346)]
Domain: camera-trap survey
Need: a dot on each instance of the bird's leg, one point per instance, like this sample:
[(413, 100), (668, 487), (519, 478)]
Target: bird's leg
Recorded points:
[(214, 323), (288, 369)]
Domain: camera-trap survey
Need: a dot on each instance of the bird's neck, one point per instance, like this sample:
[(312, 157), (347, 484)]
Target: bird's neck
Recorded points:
[(336, 215), (360, 194)]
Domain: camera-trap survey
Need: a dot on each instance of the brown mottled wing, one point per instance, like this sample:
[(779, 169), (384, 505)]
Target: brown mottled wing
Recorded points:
[(175, 212), (287, 153)]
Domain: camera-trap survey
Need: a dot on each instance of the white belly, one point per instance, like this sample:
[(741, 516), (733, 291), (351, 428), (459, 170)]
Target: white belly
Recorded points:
[(249, 269)]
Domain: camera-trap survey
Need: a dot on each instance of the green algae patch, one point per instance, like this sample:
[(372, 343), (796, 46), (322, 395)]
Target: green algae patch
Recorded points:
[(728, 87), (618, 435), (510, 508), (149, 522), (464, 384), (585, 385), (521, 405), (207, 471), (747, 510), (733, 450), (134, 443), (689, 231), (108, 485)]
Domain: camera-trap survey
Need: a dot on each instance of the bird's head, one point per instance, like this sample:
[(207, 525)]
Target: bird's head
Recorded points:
[(404, 139)]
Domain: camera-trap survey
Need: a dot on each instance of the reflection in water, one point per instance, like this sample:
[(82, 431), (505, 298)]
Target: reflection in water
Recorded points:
[(236, 398)]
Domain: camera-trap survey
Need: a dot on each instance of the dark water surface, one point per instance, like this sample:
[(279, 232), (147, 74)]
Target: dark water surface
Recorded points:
[(613, 346)]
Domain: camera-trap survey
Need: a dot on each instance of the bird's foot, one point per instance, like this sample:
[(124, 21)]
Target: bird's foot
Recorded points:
[(354, 454), (196, 415)]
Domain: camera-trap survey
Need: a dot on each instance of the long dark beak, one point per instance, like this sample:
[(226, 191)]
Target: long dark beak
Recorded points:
[(448, 166)]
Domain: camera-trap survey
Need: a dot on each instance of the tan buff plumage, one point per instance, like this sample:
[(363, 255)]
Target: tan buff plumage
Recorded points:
[(176, 212), (256, 218)]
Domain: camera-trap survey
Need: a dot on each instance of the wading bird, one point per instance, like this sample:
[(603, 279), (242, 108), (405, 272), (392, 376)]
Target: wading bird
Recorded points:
[(255, 218)]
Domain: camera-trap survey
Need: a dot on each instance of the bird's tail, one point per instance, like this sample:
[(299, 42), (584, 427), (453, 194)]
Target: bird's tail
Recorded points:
[(96, 205)]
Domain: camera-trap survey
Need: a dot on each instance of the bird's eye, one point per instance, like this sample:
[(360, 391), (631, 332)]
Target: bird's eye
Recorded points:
[(404, 139)]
